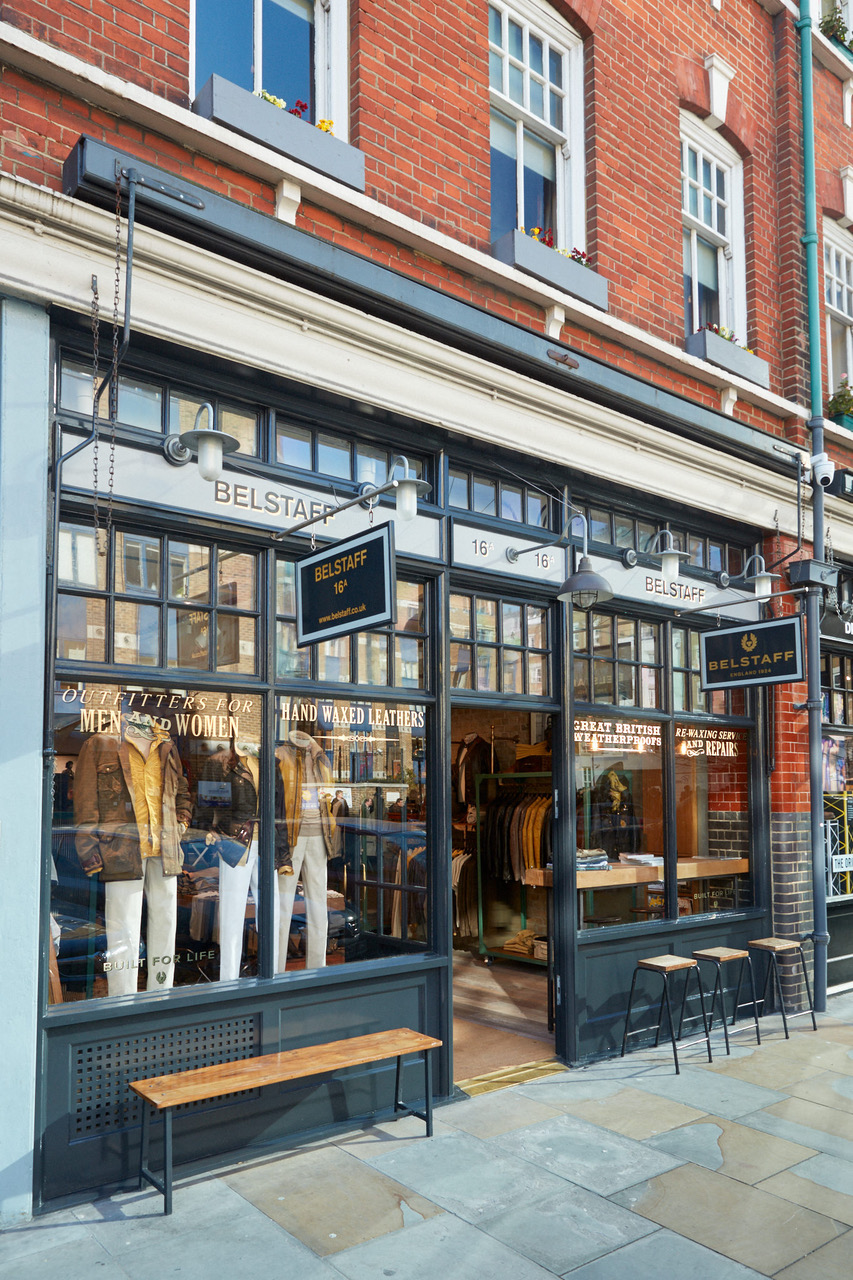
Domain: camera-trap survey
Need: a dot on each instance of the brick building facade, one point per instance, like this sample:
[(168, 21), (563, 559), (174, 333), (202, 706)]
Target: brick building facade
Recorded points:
[(500, 240)]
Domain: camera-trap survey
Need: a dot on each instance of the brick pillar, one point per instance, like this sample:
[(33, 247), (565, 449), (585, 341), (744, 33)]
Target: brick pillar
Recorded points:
[(790, 829)]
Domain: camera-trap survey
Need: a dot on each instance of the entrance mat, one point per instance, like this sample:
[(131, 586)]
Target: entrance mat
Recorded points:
[(511, 1075)]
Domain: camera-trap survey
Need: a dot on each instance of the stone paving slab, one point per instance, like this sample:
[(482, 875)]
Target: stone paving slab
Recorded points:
[(631, 1112), (823, 1183), (82, 1260), (832, 1262), (718, 1095), (664, 1256), (750, 1226), (725, 1146), (442, 1247), (808, 1124), (359, 1203), (828, 1089), (473, 1179), (567, 1229), (593, 1158)]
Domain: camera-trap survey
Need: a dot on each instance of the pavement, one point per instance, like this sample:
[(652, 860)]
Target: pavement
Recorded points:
[(617, 1171)]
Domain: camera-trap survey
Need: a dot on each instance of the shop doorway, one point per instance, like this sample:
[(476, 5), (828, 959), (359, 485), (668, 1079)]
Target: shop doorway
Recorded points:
[(501, 819)]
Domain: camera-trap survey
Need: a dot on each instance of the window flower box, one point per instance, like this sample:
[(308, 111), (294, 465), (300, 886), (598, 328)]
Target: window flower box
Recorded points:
[(238, 109), (842, 420), (709, 346), (532, 256)]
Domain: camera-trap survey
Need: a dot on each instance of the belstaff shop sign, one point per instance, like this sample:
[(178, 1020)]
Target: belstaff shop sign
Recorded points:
[(350, 586), (763, 653)]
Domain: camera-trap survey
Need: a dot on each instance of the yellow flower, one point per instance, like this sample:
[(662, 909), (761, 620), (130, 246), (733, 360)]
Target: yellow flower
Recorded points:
[(325, 125)]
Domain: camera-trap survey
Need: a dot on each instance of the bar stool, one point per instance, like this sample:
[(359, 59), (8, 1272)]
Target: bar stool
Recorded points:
[(718, 956), (775, 947), (664, 966)]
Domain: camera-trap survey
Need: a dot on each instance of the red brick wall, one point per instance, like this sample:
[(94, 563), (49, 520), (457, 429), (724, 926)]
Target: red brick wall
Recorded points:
[(147, 44)]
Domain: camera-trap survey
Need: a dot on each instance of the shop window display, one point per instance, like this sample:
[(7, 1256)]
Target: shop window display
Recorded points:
[(159, 846), (155, 839), (351, 811), (626, 830)]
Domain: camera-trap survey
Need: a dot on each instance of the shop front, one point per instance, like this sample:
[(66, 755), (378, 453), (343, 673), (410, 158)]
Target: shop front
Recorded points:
[(253, 843), (837, 715)]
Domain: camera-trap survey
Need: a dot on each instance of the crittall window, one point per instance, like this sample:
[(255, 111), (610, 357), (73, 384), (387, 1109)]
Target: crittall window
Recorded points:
[(712, 214), (536, 80), (294, 50), (838, 293)]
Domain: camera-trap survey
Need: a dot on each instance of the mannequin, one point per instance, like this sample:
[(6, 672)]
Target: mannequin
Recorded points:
[(304, 821), (131, 807), (229, 814)]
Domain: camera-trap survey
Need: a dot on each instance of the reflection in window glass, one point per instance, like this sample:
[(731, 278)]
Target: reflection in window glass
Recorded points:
[(487, 668), (457, 492), (487, 619), (236, 586), (235, 643), (333, 660), (460, 666), (193, 760), (513, 681), (511, 632), (137, 633), (511, 503), (188, 642), (137, 564), (183, 409), (285, 594), (484, 496), (291, 663), (372, 658), (140, 404), (460, 616), (189, 572), (78, 562), (293, 446), (409, 659), (81, 628), (241, 423), (371, 465), (333, 457)]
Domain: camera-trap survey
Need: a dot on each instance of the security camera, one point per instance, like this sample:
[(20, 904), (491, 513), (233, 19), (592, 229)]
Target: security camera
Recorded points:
[(823, 470)]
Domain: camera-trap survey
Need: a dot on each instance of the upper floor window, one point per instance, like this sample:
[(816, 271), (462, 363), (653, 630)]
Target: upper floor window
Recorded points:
[(712, 214), (295, 50), (838, 292), (536, 84)]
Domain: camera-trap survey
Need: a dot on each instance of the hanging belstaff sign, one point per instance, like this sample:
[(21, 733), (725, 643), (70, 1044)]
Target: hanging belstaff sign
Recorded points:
[(350, 586), (763, 653)]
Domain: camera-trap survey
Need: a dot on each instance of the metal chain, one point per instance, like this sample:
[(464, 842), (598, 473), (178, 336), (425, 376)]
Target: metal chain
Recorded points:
[(96, 331), (777, 557), (114, 376)]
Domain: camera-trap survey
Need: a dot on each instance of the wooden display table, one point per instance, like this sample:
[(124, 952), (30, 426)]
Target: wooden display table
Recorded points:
[(622, 873)]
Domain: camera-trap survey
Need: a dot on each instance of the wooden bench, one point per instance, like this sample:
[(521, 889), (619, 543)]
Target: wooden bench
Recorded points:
[(164, 1093)]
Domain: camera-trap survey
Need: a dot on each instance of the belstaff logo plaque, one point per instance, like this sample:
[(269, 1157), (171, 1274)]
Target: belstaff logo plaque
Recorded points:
[(762, 653)]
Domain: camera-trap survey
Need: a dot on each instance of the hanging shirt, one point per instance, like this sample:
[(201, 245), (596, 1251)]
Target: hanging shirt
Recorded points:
[(147, 776)]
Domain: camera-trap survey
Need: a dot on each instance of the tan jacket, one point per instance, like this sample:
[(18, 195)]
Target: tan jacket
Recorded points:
[(291, 767), (104, 813)]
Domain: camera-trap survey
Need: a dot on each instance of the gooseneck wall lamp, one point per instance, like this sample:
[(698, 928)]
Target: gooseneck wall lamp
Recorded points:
[(583, 588), (754, 572), (663, 548), (208, 444)]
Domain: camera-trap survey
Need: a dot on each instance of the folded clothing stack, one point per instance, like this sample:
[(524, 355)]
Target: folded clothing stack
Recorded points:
[(592, 860), (521, 942)]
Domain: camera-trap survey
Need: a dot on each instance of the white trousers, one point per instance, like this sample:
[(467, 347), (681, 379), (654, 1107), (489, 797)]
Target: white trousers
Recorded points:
[(234, 886), (309, 866), (123, 911)]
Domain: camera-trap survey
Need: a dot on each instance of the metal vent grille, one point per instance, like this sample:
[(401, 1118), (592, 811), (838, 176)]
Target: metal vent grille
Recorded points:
[(103, 1102)]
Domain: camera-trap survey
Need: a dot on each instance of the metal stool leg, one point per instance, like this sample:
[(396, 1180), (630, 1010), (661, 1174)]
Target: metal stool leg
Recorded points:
[(777, 979), (664, 1002), (808, 988), (719, 988), (702, 1007), (665, 977), (628, 1013), (748, 963)]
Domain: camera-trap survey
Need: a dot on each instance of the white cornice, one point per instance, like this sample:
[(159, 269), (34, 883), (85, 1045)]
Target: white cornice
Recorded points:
[(129, 102), (192, 297)]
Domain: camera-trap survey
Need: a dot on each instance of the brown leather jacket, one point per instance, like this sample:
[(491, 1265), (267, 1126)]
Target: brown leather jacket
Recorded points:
[(107, 835), (288, 804)]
